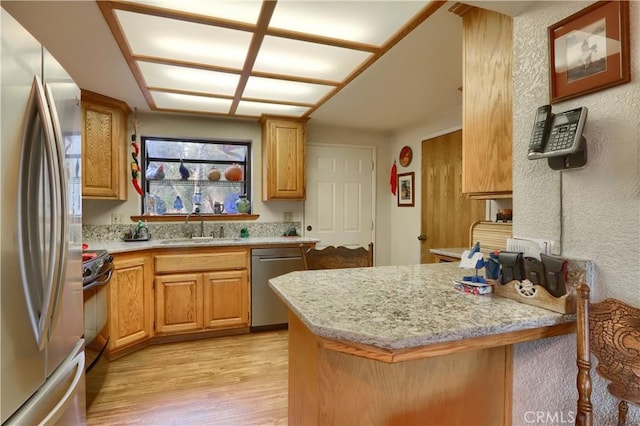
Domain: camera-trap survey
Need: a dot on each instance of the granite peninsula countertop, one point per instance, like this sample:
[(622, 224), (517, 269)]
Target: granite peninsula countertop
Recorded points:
[(125, 247), (399, 307)]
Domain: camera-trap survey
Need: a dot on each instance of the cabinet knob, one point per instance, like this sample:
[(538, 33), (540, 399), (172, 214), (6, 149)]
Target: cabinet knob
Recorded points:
[(309, 227), (422, 237)]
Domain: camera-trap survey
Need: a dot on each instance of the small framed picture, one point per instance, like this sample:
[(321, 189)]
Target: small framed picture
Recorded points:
[(406, 189), (589, 50)]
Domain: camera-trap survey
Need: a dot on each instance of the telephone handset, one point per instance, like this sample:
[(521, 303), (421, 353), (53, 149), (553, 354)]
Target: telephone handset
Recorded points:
[(557, 135)]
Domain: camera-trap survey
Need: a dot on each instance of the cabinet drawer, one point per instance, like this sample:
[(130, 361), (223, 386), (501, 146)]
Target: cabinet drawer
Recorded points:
[(201, 262)]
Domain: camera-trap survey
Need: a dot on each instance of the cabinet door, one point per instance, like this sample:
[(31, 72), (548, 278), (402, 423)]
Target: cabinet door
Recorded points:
[(130, 297), (178, 303), (104, 145), (283, 160), (226, 299), (487, 105)]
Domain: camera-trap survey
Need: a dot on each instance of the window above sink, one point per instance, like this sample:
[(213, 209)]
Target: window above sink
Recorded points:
[(182, 174)]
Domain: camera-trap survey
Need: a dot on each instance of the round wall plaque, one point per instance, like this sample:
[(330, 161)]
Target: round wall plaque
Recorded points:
[(406, 154)]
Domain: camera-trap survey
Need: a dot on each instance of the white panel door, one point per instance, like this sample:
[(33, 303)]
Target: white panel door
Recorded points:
[(339, 209)]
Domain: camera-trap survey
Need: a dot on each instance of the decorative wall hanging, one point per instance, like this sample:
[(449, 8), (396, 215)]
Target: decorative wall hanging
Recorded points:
[(394, 178), (589, 51), (135, 166), (406, 189), (406, 154)]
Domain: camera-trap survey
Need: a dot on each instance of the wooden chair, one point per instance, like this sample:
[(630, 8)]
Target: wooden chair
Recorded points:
[(611, 331), (336, 257)]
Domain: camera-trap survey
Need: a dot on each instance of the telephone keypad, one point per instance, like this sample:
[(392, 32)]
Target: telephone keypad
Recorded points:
[(562, 137)]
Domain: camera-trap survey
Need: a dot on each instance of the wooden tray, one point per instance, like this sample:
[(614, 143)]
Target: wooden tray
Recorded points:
[(524, 292)]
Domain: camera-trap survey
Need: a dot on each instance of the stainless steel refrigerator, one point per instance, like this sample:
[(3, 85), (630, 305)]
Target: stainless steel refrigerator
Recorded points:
[(42, 349)]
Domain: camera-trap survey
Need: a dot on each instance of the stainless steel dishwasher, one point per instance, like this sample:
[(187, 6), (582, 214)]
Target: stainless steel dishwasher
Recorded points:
[(267, 310)]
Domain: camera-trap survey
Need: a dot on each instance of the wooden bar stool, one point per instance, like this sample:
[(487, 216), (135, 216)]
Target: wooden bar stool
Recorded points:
[(611, 331), (336, 257)]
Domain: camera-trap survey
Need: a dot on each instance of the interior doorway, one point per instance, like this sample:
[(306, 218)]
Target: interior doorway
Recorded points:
[(446, 213), (339, 208)]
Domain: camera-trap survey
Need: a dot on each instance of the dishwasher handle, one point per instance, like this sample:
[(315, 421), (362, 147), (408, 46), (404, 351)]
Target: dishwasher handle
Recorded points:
[(277, 259)]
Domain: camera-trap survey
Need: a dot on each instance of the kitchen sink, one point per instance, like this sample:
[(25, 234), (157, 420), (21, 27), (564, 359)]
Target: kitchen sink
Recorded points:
[(199, 240)]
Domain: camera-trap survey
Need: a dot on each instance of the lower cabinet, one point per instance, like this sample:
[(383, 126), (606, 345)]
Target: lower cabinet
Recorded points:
[(158, 295), (226, 299), (130, 302), (215, 296)]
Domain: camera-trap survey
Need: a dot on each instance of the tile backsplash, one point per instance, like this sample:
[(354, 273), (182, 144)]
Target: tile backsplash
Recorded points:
[(165, 231)]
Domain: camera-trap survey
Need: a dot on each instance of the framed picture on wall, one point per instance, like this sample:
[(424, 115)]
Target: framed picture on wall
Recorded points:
[(406, 189), (589, 51)]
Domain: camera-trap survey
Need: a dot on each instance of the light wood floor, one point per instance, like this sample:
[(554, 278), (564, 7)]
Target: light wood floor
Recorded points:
[(235, 380)]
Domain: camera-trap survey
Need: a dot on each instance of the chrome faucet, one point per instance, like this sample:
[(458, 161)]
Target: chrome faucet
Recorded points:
[(196, 211)]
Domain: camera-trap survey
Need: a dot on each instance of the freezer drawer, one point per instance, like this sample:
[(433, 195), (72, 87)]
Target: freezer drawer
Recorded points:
[(61, 400), (267, 310)]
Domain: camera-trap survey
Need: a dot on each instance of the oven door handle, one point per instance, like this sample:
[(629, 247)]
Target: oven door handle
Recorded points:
[(99, 283)]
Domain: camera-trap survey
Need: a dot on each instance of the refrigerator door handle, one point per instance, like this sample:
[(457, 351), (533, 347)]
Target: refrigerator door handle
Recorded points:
[(38, 193), (60, 204)]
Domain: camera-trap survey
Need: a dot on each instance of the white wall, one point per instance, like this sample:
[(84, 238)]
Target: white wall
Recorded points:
[(98, 212), (596, 215), (405, 221)]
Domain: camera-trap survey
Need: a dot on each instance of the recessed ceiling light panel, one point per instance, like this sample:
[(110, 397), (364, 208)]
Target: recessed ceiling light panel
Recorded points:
[(246, 11), (302, 59), (188, 79), (183, 41), (175, 101), (369, 22), (283, 90), (258, 108)]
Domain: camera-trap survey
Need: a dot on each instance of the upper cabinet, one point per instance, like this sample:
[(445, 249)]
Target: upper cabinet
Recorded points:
[(104, 147), (283, 159), (487, 119)]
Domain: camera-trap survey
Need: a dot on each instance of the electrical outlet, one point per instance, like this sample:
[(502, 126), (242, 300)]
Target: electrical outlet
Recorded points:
[(532, 246), (287, 217), (117, 218)]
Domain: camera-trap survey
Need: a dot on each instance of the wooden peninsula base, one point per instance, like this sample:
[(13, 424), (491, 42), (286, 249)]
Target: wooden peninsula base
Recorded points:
[(327, 387), (398, 345)]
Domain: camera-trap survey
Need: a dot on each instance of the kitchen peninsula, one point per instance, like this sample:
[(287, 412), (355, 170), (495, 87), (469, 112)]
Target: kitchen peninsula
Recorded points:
[(398, 345)]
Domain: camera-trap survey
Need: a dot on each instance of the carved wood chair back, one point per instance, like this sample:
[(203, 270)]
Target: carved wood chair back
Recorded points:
[(611, 331), (336, 257)]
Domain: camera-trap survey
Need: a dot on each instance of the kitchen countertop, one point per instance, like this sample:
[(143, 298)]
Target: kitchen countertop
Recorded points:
[(451, 252), (125, 247), (401, 307)]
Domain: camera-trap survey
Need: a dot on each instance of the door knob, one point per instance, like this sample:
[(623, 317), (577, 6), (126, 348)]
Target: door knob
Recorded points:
[(422, 237)]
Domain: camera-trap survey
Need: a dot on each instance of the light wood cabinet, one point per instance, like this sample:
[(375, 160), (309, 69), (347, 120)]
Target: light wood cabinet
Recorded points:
[(226, 299), (202, 290), (104, 147), (487, 119), (130, 302), (178, 303), (283, 159)]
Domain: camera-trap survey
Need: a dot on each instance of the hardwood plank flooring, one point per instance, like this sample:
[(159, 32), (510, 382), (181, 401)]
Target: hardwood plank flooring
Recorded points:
[(234, 380)]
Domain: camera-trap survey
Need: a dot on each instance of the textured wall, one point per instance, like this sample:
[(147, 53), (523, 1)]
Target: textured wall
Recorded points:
[(594, 212)]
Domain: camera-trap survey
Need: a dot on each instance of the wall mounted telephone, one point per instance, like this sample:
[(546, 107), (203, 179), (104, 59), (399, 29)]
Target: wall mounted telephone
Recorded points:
[(558, 137)]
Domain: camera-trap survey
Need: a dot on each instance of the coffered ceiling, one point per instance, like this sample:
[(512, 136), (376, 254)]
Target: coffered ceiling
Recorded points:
[(405, 76), (247, 58)]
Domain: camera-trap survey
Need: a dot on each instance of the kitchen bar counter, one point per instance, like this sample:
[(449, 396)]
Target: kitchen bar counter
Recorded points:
[(398, 345), (400, 307), (125, 247)]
